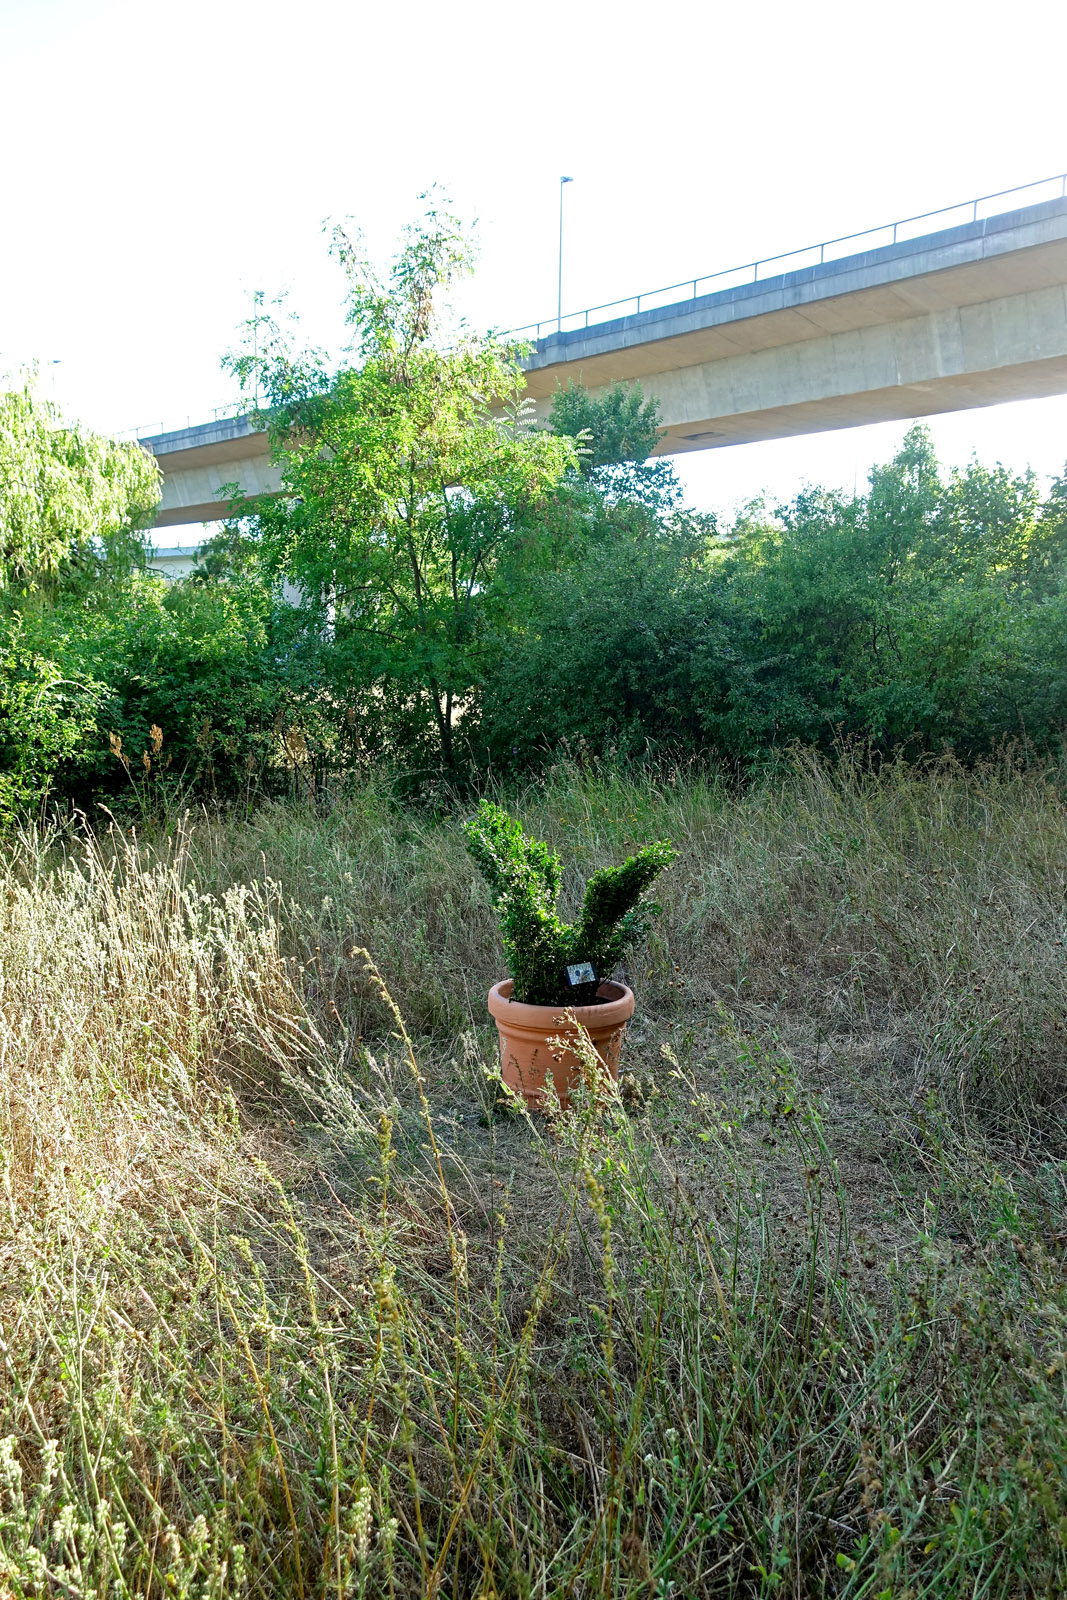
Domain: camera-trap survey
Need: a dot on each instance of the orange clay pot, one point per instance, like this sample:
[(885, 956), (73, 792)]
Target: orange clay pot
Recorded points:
[(525, 1055)]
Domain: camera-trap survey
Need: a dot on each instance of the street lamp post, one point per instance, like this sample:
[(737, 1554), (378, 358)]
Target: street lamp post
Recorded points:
[(559, 286)]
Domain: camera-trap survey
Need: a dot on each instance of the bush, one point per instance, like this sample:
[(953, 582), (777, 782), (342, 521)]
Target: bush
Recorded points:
[(47, 723), (924, 615), (194, 662), (197, 661), (524, 879), (611, 656)]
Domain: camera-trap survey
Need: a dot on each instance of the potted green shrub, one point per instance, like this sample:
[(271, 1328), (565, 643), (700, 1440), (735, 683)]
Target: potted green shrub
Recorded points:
[(558, 966)]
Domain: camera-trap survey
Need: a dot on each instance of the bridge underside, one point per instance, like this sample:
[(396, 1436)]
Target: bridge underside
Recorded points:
[(972, 316), (199, 463), (901, 402)]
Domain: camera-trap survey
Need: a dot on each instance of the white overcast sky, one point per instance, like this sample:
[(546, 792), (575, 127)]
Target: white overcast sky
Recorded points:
[(164, 160)]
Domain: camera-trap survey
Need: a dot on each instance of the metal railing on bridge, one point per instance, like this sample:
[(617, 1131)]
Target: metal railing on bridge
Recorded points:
[(731, 277), (150, 430), (810, 256)]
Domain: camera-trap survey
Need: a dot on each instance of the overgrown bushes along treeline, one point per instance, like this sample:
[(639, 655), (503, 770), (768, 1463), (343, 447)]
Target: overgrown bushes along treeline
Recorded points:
[(448, 586)]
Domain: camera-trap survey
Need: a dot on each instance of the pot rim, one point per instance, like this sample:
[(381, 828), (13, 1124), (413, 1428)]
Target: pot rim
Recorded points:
[(548, 1019)]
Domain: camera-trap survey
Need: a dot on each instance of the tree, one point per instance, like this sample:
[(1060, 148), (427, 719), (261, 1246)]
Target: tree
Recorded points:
[(910, 615), (73, 504), (85, 680), (611, 655), (927, 612), (604, 645), (410, 479), (616, 432), (616, 425)]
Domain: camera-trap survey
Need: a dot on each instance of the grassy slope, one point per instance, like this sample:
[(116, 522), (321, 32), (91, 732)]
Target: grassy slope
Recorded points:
[(289, 1308)]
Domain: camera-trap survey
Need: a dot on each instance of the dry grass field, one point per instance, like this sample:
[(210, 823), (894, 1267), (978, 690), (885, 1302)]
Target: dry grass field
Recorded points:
[(292, 1305)]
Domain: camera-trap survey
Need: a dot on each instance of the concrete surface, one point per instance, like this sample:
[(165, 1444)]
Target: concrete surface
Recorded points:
[(969, 316)]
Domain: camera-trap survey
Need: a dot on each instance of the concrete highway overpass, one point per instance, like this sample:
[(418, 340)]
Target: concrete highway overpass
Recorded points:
[(969, 315)]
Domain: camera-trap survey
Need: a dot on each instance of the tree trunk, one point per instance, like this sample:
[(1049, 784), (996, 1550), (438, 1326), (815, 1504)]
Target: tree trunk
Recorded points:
[(442, 706)]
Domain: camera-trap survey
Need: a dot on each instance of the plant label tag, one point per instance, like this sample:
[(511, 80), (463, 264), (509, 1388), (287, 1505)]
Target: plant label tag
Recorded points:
[(581, 972)]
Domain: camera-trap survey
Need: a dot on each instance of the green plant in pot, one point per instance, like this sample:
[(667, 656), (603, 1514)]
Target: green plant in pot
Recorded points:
[(559, 966)]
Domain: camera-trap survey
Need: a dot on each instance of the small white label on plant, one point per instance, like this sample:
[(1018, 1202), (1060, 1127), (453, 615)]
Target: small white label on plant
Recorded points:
[(581, 972)]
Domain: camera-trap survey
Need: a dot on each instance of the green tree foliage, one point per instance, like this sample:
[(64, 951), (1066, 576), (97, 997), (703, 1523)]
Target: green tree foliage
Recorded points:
[(448, 586), (47, 724), (412, 483), (605, 645), (615, 432), (925, 613), (197, 663), (72, 503), (95, 653), (911, 614), (73, 507), (611, 655), (524, 879), (617, 425)]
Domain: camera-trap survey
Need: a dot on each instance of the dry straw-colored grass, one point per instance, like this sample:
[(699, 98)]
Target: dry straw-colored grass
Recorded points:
[(290, 1306)]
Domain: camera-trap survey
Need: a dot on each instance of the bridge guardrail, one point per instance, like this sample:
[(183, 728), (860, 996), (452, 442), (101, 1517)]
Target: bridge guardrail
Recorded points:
[(149, 430), (810, 255), (1053, 188)]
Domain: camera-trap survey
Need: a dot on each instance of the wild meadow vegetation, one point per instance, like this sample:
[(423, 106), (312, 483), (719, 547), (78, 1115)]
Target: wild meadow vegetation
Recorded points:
[(294, 1301), (290, 1305)]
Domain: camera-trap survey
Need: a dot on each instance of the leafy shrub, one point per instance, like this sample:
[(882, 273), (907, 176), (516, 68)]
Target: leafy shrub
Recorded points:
[(47, 723), (524, 878), (923, 615), (613, 656), (199, 663)]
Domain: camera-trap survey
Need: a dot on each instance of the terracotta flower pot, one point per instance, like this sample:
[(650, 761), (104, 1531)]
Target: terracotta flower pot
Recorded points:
[(525, 1055)]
